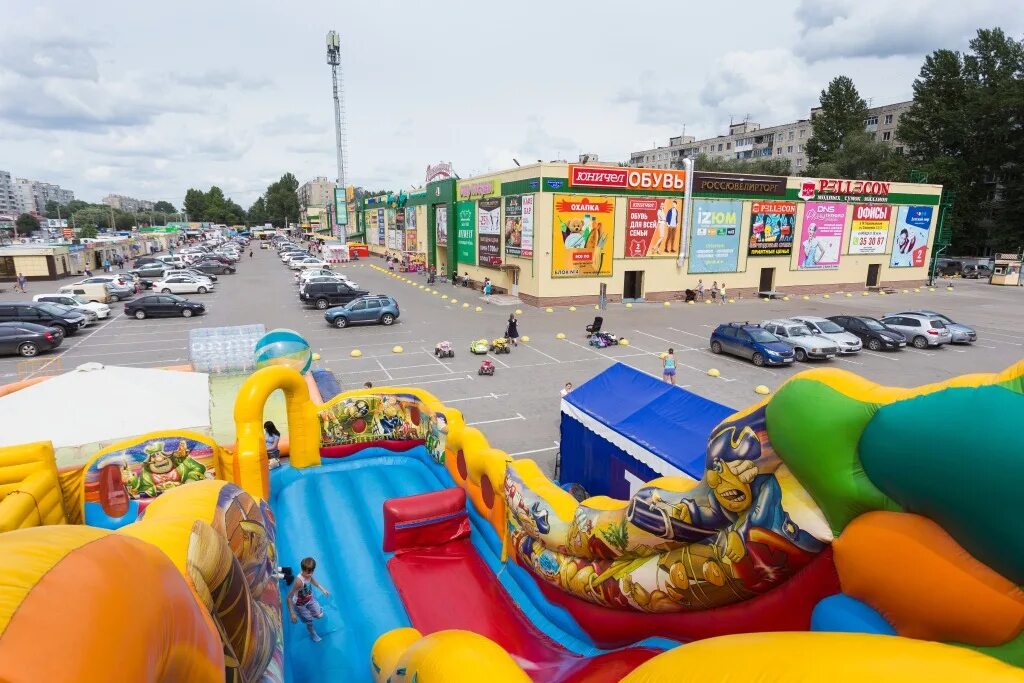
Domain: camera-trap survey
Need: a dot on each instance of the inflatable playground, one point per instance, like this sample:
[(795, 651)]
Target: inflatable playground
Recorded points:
[(838, 530)]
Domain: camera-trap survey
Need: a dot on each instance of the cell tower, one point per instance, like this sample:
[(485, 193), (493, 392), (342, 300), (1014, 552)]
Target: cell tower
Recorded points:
[(334, 59)]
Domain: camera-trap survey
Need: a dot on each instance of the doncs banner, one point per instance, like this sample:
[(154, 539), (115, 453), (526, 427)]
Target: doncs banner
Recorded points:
[(582, 236), (821, 239), (715, 243), (465, 232), (652, 227), (910, 239)]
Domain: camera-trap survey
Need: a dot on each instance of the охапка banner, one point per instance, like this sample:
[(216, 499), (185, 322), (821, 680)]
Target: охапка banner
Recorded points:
[(465, 232), (715, 238), (582, 236), (652, 226), (772, 225)]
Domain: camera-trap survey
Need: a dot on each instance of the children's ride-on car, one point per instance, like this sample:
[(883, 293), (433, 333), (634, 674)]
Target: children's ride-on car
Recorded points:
[(501, 345), (603, 340), (444, 350), (486, 368), (479, 347)]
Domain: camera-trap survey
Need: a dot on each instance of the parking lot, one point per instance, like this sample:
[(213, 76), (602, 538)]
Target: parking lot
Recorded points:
[(518, 407)]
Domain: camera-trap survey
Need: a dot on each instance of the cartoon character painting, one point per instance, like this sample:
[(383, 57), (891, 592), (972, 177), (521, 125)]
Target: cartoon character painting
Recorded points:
[(162, 470)]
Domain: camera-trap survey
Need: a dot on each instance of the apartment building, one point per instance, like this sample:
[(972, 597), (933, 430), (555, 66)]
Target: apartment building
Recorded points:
[(35, 195), (10, 199), (317, 192), (748, 140), (127, 204)]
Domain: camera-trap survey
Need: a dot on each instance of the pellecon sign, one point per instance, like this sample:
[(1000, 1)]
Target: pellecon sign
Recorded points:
[(626, 178), (834, 189)]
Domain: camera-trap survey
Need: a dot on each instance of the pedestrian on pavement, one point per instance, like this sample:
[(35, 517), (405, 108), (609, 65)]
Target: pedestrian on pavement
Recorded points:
[(714, 290), (106, 265), (250, 252), (487, 286), (721, 294), (700, 289), (20, 285), (88, 273), (512, 331), (566, 389), (668, 370)]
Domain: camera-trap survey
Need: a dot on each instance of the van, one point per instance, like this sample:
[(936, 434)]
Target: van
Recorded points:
[(93, 291)]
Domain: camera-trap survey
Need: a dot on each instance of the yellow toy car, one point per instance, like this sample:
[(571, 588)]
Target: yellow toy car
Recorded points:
[(500, 345)]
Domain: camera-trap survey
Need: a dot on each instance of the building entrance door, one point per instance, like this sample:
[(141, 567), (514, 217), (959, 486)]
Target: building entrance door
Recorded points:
[(767, 280), (873, 270), (633, 287)]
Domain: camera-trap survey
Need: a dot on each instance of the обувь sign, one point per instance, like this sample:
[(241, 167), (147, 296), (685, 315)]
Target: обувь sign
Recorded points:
[(626, 178)]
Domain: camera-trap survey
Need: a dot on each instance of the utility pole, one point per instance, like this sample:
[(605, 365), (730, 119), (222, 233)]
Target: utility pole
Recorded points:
[(334, 59)]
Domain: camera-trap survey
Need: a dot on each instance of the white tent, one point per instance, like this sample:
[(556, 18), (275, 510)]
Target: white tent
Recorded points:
[(95, 405)]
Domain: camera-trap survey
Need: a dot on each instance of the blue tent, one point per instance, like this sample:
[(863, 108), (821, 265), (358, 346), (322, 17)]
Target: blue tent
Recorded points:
[(624, 427)]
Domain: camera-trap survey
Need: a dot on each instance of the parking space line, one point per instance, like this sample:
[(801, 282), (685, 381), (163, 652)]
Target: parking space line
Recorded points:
[(433, 357), (72, 348), (878, 355), (500, 361), (847, 360), (737, 361), (491, 395), (390, 378), (533, 348), (698, 336), (518, 416), (667, 341)]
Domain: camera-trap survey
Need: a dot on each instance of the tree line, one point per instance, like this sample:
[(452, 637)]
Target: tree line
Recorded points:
[(278, 205), (88, 218)]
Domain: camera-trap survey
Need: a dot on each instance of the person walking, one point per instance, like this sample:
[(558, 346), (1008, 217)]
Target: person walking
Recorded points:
[(512, 330), (721, 294), (487, 286), (668, 370), (700, 289), (20, 284), (250, 252), (106, 265), (714, 290)]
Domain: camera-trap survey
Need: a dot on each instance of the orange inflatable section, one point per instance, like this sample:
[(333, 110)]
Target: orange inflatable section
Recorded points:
[(924, 583), (77, 575), (23, 384)]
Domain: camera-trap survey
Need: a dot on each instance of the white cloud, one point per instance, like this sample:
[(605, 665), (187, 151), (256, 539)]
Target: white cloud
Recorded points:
[(755, 83)]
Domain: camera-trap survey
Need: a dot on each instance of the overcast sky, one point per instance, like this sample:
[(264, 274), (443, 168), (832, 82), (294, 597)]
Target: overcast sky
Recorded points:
[(149, 98)]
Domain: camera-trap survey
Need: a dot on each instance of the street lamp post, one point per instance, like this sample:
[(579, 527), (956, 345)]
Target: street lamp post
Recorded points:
[(334, 59)]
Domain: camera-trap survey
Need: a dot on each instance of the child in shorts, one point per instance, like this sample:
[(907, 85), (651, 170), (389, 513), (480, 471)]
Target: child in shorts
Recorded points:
[(301, 600)]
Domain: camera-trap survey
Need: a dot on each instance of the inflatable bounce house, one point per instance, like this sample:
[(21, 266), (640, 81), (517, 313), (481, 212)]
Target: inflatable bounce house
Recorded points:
[(840, 531)]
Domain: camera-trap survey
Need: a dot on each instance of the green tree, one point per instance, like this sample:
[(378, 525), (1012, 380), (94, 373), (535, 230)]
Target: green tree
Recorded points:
[(164, 207), (762, 166), (842, 112), (26, 224), (123, 221), (282, 200), (195, 204), (257, 214), (95, 216), (963, 131), (75, 205), (88, 231), (53, 208)]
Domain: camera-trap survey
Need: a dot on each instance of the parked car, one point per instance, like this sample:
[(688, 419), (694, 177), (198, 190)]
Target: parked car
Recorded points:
[(806, 344), (845, 341), (874, 334), (303, 284), (920, 330), (311, 262), (98, 292), (961, 334), (367, 309), (752, 342), (50, 315), (211, 267), (326, 294), (28, 339), (290, 256), (310, 273), (101, 311), (152, 269), (119, 288), (176, 261), (182, 284), (163, 305), (193, 273)]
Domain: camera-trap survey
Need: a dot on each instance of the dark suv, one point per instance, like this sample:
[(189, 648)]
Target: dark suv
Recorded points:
[(753, 342), (323, 295), (48, 315)]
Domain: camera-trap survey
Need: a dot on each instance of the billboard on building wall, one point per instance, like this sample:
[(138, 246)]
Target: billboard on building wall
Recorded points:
[(715, 236), (582, 236), (410, 229), (652, 227), (869, 228), (441, 225), (519, 226), (527, 238), (380, 226), (910, 237), (400, 229), (465, 232), (821, 235), (371, 227), (772, 225), (340, 206), (488, 221)]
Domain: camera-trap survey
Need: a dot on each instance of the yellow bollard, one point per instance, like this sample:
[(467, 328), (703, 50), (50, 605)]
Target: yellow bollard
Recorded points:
[(397, 349), (624, 342), (549, 310), (478, 309), (762, 389), (629, 305), (667, 304), (560, 335), (519, 311), (572, 308), (355, 353), (524, 339), (713, 372)]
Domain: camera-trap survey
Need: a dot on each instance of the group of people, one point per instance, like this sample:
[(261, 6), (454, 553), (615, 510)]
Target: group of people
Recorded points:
[(118, 263), (716, 292)]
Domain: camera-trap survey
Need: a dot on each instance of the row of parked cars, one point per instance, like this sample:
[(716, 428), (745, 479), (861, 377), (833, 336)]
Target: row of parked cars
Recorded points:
[(343, 301), (802, 338)]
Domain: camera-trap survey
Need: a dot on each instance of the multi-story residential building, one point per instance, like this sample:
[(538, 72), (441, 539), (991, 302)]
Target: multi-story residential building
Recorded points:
[(127, 204), (35, 195), (748, 140), (10, 198), (317, 192)]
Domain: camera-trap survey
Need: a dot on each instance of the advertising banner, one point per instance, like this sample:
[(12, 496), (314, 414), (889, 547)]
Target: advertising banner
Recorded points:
[(400, 229), (441, 225), (715, 241), (910, 238), (582, 236), (340, 206), (737, 185), (410, 229), (652, 227), (527, 233), (488, 222), (834, 189), (465, 232), (380, 226), (584, 175), (514, 226), (821, 235), (772, 225), (869, 229)]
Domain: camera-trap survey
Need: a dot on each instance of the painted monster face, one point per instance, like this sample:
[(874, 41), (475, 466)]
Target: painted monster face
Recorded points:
[(159, 463), (731, 493)]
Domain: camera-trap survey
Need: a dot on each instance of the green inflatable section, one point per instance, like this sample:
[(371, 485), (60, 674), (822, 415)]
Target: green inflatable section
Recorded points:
[(1011, 652), (955, 457), (815, 430)]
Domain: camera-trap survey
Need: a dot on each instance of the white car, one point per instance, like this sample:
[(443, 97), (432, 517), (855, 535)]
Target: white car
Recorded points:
[(311, 262), (187, 273), (289, 255), (846, 342), (101, 311), (183, 284), (307, 273), (806, 344)]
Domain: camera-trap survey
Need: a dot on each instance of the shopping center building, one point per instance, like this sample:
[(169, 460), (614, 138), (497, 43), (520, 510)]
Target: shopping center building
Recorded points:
[(557, 233)]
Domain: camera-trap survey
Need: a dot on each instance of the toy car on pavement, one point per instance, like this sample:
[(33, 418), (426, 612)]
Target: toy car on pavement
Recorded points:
[(486, 368), (500, 345), (603, 340), (444, 350), (479, 347)]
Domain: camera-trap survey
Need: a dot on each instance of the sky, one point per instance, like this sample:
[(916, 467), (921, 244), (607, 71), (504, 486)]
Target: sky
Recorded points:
[(149, 99)]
